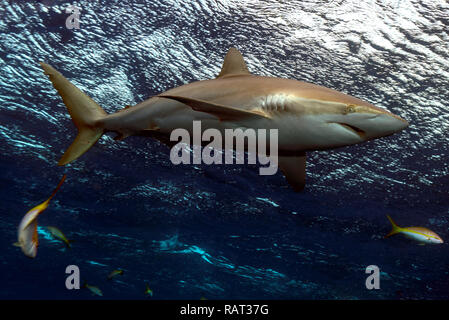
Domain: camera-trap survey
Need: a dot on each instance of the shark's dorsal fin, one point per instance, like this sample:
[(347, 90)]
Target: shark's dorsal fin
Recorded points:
[(222, 112), (294, 170), (233, 64), (125, 107)]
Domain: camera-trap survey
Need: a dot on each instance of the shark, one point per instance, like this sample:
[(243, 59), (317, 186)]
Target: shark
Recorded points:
[(308, 117)]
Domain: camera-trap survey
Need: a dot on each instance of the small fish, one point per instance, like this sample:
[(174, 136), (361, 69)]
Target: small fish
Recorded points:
[(27, 231), (95, 290), (420, 234), (148, 291), (57, 234), (114, 273)]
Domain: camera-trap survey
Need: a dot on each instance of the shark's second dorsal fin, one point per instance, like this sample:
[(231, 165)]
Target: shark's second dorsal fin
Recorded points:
[(233, 64)]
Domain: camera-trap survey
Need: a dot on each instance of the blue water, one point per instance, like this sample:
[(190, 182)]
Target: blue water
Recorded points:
[(225, 232)]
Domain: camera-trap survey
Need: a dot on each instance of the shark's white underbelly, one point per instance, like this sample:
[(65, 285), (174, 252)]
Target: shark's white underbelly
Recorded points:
[(294, 132)]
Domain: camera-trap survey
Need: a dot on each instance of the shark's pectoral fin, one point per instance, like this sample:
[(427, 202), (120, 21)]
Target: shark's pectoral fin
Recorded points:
[(294, 170), (224, 113), (233, 64)]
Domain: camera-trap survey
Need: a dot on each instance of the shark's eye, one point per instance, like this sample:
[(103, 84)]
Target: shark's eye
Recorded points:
[(349, 109)]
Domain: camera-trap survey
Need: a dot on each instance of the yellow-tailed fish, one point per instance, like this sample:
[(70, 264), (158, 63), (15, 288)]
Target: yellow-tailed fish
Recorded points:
[(27, 231), (115, 273), (57, 234), (420, 234), (95, 290), (148, 291)]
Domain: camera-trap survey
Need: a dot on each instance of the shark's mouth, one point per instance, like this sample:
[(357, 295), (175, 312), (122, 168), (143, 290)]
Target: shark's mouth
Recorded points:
[(356, 130)]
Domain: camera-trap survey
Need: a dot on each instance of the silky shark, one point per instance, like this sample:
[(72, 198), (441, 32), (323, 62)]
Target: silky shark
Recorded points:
[(308, 117)]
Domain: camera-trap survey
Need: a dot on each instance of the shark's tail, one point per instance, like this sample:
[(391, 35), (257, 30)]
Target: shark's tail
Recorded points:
[(84, 111)]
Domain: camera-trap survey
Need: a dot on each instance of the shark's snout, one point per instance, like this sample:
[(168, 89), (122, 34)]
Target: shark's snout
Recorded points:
[(381, 125), (366, 124)]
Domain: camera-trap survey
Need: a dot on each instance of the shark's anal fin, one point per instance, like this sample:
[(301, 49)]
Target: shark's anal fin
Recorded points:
[(224, 113), (294, 170), (233, 64), (125, 134)]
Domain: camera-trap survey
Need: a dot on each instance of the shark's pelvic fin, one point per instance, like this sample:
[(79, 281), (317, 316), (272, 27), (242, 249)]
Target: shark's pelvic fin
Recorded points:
[(233, 64), (84, 111), (294, 170), (121, 135), (224, 113)]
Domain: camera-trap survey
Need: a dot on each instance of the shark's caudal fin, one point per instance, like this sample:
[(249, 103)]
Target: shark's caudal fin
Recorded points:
[(395, 228), (84, 112)]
